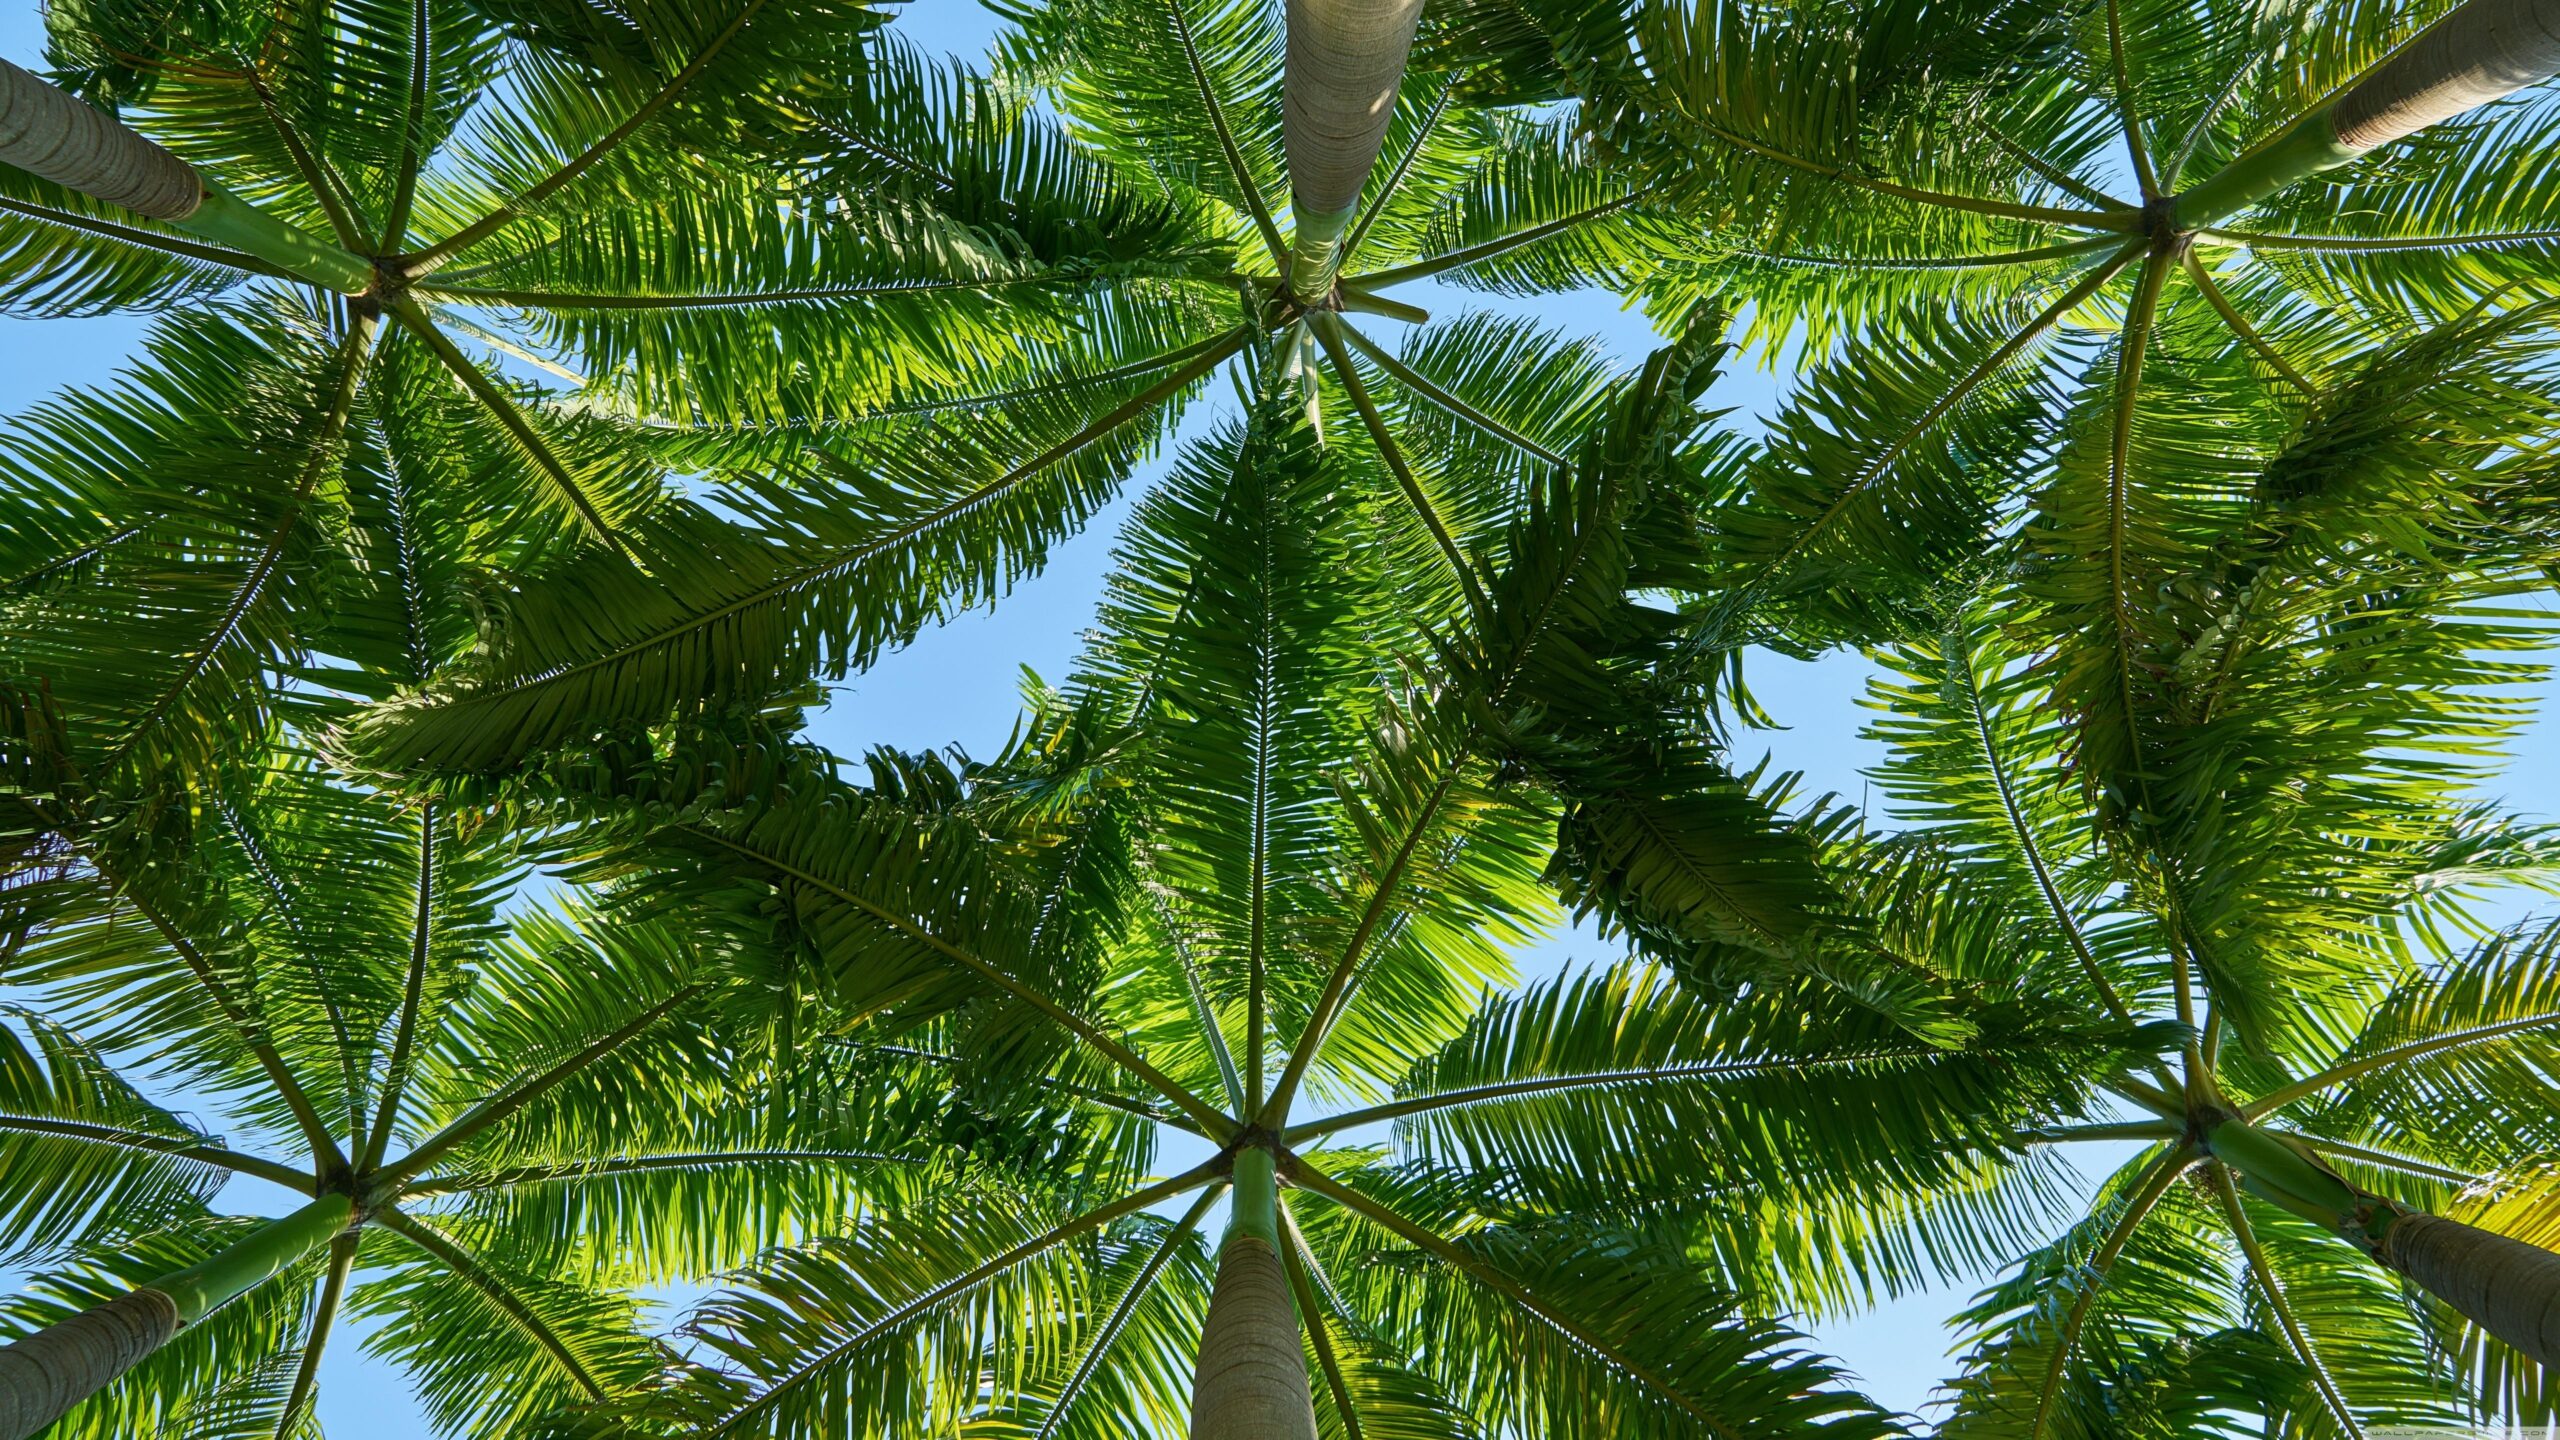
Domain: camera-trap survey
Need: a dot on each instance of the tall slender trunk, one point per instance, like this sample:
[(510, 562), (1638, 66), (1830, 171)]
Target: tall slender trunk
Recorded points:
[(80, 147), (1251, 1381), (2505, 1286), (1346, 63), (2478, 52), (57, 1367)]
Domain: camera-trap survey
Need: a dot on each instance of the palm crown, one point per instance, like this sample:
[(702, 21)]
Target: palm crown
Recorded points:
[(1994, 226), (940, 488), (454, 1088), (2266, 840), (854, 337), (1231, 885)]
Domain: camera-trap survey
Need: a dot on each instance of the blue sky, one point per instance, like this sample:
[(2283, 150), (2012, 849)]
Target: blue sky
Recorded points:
[(958, 684)]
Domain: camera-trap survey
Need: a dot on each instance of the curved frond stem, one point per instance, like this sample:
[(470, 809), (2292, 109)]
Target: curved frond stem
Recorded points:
[(2386, 1159), (352, 352), (2396, 1055), (2239, 325), (315, 175), (1225, 343), (2061, 178), (333, 1293), (1874, 468), (2130, 1130), (171, 244), (2139, 313), (2177, 165), (1126, 1306), (426, 261), (1258, 892), (732, 300), (509, 418), (2298, 1340), (515, 1095), (458, 318), (281, 899), (492, 267), (1094, 1219), (404, 194), (1484, 250), (871, 143), (1262, 222), (1316, 1275), (2014, 811), (325, 1154), (1587, 1080), (1127, 1106), (404, 1022), (1202, 1014), (120, 1138), (1218, 1126), (1395, 177), (519, 1176), (2161, 1102), (495, 1290), (1104, 1098), (2367, 245), (1328, 331), (2125, 221), (1203, 361), (1337, 985), (2125, 113), (1981, 260), (1297, 1260), (2182, 981), (1429, 389), (65, 564), (2164, 1172), (1447, 1252), (1132, 714)]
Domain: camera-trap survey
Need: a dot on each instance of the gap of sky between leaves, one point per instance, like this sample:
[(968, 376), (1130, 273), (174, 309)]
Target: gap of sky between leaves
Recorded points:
[(959, 684)]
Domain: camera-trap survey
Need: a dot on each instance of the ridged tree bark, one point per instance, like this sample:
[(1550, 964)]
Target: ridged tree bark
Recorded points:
[(48, 1372), (1251, 1379), (2478, 52), (61, 1365), (2505, 1286), (1345, 64), (79, 147)]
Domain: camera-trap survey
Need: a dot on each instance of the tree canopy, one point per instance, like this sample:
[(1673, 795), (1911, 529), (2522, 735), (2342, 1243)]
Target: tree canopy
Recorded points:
[(409, 804)]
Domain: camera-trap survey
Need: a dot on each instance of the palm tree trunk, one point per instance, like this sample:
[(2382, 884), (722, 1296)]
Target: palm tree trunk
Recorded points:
[(79, 147), (1251, 1380), (57, 1367), (1345, 65), (2503, 1285), (2480, 51)]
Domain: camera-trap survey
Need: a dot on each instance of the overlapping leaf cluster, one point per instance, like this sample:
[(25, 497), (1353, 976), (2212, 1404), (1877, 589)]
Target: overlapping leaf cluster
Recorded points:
[(402, 751)]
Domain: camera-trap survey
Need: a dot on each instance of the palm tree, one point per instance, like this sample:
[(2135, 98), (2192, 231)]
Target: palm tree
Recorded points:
[(939, 484), (1954, 207), (1241, 882), (365, 223), (2249, 813), (497, 1125)]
